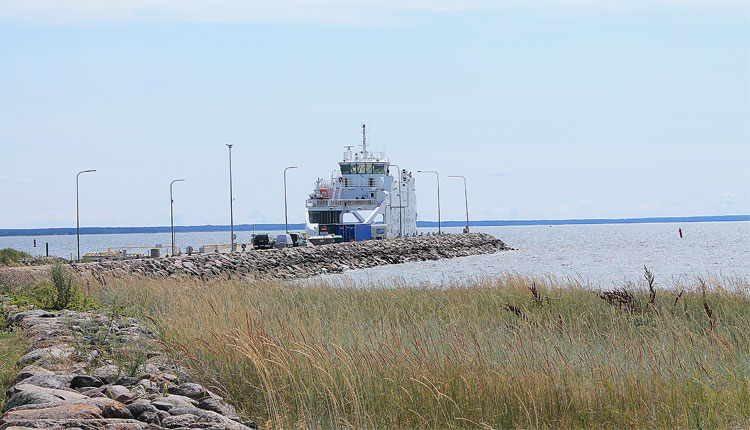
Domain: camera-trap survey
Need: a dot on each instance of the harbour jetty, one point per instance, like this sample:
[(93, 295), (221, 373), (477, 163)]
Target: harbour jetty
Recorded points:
[(86, 370), (301, 262)]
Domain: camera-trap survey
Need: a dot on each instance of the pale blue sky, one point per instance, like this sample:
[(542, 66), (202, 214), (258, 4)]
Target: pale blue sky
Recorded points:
[(552, 109)]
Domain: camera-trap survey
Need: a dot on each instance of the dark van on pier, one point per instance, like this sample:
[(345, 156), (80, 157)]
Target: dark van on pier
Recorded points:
[(262, 241)]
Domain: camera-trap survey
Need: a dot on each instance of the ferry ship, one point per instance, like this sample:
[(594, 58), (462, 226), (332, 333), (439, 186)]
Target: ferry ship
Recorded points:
[(366, 198)]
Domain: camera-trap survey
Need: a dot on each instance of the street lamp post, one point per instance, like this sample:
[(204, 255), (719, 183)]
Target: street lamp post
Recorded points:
[(440, 231), (231, 199), (286, 219), (466, 199), (171, 211), (400, 205), (78, 224)]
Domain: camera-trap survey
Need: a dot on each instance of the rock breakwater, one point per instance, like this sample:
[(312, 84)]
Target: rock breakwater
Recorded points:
[(88, 371), (302, 262)]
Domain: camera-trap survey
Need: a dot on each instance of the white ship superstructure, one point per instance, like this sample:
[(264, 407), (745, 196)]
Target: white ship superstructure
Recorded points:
[(366, 198)]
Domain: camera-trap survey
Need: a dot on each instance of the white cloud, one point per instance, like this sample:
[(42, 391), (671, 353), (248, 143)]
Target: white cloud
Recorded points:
[(728, 199), (283, 11)]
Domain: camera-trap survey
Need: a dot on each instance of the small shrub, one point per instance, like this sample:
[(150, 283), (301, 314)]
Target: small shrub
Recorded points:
[(57, 292), (64, 289)]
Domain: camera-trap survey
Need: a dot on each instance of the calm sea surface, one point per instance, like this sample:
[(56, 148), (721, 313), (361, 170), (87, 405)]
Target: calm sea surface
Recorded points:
[(597, 254)]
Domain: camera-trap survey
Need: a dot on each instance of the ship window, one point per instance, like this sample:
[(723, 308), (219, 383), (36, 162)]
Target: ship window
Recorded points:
[(346, 169), (361, 169), (372, 182), (378, 169), (368, 169), (325, 217)]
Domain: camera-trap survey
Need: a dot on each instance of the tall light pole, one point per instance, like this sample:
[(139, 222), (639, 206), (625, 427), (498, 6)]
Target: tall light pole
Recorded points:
[(438, 194), (400, 205), (466, 199), (78, 224), (231, 199), (171, 211), (286, 219)]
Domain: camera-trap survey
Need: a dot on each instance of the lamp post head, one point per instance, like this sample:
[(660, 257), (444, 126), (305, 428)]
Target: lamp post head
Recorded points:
[(229, 145), (83, 171)]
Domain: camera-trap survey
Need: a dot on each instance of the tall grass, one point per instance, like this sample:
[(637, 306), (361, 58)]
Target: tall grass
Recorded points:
[(504, 352), (12, 346), (56, 291), (12, 257)]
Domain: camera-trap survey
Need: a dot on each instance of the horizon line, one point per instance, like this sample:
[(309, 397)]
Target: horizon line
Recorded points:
[(448, 223)]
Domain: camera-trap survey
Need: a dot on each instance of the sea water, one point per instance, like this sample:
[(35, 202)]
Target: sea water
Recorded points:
[(598, 254)]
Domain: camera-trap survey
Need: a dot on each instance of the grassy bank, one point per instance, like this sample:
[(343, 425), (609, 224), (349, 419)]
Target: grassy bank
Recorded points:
[(506, 352), (53, 288), (11, 348), (12, 257)]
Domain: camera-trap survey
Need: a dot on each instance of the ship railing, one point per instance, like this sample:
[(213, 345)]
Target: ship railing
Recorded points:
[(371, 156), (342, 202)]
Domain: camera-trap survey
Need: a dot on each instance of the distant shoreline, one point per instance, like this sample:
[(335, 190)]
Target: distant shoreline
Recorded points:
[(267, 227)]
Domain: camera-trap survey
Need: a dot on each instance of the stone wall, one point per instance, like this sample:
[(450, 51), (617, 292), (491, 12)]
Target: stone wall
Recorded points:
[(302, 262), (88, 371)]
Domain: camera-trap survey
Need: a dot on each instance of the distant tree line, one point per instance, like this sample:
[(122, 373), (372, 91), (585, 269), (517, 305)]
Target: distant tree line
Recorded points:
[(266, 227)]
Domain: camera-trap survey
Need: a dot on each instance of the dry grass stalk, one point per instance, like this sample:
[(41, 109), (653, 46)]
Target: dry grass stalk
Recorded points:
[(676, 299), (706, 307), (536, 295), (515, 309), (651, 289), (621, 298)]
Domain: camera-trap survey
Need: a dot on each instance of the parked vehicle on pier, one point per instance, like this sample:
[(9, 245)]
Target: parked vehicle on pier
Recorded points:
[(296, 239), (284, 241), (262, 241)]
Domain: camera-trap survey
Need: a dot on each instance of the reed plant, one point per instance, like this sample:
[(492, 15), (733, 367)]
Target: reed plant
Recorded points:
[(500, 352)]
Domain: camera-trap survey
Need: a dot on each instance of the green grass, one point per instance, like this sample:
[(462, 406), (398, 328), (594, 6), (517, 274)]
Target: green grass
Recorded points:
[(56, 291), (12, 346), (12, 257), (485, 353)]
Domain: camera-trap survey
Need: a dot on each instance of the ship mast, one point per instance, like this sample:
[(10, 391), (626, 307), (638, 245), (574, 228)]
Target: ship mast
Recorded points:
[(364, 143)]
